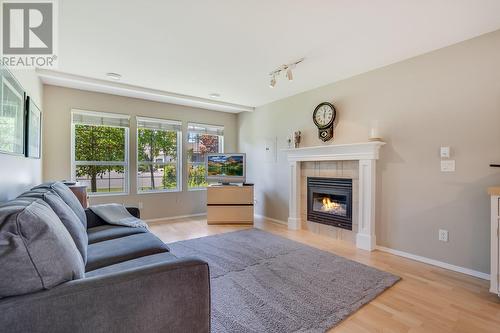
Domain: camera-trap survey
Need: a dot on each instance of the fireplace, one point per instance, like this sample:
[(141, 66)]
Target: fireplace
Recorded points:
[(329, 201)]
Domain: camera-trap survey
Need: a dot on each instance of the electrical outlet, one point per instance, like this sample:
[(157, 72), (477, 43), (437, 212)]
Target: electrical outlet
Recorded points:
[(443, 235), (141, 205), (448, 166)]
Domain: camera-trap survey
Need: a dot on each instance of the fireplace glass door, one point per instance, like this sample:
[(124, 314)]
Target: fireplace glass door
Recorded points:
[(333, 204)]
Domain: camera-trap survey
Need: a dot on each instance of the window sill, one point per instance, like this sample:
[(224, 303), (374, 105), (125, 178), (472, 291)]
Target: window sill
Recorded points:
[(159, 191), (109, 194), (195, 189)]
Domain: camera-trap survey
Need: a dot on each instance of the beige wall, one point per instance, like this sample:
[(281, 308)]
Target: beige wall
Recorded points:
[(448, 97), (17, 173), (58, 103)]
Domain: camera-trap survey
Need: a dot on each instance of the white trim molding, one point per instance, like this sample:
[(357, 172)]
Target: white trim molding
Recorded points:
[(365, 238), (366, 153), (342, 152), (62, 79), (169, 218), (436, 263), (270, 219)]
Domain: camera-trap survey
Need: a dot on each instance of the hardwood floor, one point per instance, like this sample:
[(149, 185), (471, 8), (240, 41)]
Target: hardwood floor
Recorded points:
[(427, 299)]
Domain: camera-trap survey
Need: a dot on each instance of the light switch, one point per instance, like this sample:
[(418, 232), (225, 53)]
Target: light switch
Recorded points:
[(448, 166), (445, 152)]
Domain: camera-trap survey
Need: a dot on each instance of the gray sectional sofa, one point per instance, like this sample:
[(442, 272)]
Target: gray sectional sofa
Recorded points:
[(63, 269)]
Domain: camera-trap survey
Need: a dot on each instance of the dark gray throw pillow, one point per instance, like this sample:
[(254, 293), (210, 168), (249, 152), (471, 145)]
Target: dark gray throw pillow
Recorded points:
[(36, 250), (66, 215), (69, 198)]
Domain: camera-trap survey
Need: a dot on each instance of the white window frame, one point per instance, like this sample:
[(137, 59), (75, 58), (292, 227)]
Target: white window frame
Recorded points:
[(125, 163), (6, 84), (179, 156), (221, 151)]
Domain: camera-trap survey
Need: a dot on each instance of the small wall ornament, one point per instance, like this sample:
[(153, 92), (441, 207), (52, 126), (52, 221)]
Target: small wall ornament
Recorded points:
[(324, 117), (296, 138)]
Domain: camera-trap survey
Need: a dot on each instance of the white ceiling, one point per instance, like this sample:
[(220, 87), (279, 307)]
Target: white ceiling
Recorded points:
[(225, 46)]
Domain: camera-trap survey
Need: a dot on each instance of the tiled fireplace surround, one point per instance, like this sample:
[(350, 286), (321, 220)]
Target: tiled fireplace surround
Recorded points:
[(356, 161), (330, 169)]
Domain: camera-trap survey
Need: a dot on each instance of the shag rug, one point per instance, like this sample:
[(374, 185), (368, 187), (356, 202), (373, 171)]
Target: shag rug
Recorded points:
[(265, 283)]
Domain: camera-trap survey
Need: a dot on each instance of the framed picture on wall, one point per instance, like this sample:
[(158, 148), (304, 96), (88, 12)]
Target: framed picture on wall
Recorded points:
[(33, 129), (11, 114)]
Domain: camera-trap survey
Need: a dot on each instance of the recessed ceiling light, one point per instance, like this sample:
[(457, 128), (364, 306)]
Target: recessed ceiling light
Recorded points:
[(214, 95), (114, 76)]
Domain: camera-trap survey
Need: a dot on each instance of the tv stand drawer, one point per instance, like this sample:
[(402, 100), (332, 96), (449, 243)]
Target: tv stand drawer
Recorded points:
[(230, 195), (230, 214)]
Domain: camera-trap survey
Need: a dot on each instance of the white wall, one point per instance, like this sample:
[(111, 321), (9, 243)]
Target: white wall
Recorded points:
[(448, 97), (17, 173)]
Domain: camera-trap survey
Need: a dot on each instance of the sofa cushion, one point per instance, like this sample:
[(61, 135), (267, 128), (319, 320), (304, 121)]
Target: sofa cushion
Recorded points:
[(134, 263), (117, 250), (72, 223), (36, 250), (68, 197), (108, 231)]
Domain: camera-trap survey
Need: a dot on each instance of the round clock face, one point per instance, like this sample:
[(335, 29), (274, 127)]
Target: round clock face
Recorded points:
[(324, 115)]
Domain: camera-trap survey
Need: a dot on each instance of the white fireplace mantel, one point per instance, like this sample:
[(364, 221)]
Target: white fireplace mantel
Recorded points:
[(366, 153)]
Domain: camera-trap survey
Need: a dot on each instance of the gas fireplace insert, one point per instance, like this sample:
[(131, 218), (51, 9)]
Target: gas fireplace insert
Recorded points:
[(329, 201)]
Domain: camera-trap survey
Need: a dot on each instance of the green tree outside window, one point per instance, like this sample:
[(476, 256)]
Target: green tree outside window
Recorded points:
[(199, 146), (100, 144), (157, 156)]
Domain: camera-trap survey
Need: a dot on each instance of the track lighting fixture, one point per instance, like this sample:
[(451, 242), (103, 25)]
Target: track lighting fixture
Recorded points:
[(273, 82), (287, 69), (114, 76)]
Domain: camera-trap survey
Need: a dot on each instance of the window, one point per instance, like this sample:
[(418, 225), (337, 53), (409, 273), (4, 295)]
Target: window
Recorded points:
[(100, 151), (202, 139), (158, 155)]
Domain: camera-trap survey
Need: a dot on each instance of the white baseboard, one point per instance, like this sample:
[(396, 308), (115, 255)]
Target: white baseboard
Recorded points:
[(271, 219), (437, 263), (173, 218)]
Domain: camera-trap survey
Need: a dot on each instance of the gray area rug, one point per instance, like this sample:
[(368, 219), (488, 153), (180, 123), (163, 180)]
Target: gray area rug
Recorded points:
[(265, 283)]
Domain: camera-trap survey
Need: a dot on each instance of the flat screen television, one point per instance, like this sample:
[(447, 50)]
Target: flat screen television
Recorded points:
[(225, 168)]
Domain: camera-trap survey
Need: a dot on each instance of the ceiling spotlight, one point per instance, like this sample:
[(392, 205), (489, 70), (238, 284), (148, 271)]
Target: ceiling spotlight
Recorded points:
[(289, 74), (214, 95), (114, 76), (273, 82)]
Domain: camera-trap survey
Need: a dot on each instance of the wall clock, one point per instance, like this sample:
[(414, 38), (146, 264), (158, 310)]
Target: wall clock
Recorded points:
[(324, 117)]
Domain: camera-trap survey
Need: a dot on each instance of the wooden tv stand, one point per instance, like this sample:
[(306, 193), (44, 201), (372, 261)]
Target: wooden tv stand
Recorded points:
[(228, 204)]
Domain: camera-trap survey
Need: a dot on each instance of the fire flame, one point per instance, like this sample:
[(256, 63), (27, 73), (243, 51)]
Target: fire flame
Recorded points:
[(329, 205)]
